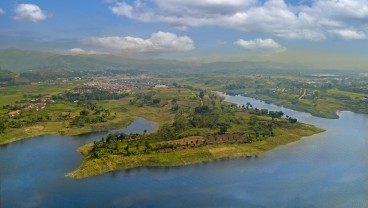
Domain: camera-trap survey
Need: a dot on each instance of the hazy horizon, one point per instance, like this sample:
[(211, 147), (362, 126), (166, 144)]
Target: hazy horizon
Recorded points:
[(318, 34), (299, 59)]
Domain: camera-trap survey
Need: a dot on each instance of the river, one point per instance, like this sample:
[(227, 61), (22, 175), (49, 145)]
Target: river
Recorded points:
[(324, 170)]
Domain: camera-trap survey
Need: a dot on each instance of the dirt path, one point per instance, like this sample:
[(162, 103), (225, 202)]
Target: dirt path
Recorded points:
[(304, 94)]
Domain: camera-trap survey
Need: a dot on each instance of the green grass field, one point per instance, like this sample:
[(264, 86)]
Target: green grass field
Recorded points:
[(329, 101), (125, 113)]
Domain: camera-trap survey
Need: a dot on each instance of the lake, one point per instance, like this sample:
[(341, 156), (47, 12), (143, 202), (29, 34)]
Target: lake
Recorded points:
[(325, 170)]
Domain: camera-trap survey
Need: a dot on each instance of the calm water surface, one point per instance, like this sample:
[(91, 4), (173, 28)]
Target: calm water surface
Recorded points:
[(325, 170)]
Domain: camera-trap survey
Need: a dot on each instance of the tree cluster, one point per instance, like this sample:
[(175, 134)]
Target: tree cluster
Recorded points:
[(87, 96), (148, 99)]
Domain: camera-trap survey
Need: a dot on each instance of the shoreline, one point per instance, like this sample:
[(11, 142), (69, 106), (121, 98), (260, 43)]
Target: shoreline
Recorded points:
[(269, 100), (94, 166), (108, 126), (293, 107)]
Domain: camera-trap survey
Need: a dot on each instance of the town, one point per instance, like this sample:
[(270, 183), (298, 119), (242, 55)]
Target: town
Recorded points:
[(122, 83)]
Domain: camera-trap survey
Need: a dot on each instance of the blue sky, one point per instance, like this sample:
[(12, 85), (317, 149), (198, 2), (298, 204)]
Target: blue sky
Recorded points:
[(177, 28)]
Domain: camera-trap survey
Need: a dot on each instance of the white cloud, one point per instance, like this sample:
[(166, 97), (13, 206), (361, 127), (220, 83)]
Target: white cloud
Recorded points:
[(2, 11), (320, 20), (79, 51), (160, 42), (29, 13), (262, 45), (138, 11), (349, 34), (122, 9)]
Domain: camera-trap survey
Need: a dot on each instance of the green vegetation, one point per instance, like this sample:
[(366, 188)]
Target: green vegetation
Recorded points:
[(203, 127), (112, 162), (50, 108), (319, 92), (195, 124), (321, 95), (90, 95), (72, 95)]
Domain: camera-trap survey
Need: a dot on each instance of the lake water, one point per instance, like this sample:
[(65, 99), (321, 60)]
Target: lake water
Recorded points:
[(325, 170)]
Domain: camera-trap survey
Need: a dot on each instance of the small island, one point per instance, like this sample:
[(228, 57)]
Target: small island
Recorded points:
[(203, 127)]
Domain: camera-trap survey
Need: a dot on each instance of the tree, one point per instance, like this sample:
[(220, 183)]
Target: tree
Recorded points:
[(248, 105), (2, 127), (181, 123), (201, 94), (147, 147), (293, 120), (264, 111), (280, 114), (84, 112), (223, 129), (156, 101), (274, 114)]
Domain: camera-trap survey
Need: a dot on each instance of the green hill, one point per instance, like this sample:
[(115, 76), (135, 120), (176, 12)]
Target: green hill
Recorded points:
[(24, 60)]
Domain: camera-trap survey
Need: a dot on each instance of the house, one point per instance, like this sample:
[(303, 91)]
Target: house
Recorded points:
[(28, 108), (14, 113), (46, 99), (40, 106)]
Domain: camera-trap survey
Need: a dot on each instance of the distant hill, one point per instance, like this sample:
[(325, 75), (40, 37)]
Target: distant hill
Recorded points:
[(17, 60), (24, 60), (6, 75)]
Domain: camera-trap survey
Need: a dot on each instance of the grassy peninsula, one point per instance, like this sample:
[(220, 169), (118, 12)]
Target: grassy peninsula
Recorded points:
[(94, 166), (203, 127), (195, 124)]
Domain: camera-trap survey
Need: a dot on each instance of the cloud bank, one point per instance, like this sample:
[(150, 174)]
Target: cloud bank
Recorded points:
[(2, 11), (79, 51), (29, 13), (314, 20), (160, 42), (261, 45)]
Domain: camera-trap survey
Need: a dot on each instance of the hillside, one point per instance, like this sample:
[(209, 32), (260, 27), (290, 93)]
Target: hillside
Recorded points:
[(24, 60), (17, 60)]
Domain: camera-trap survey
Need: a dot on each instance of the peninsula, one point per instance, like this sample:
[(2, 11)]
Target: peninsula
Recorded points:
[(201, 127), (195, 124)]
